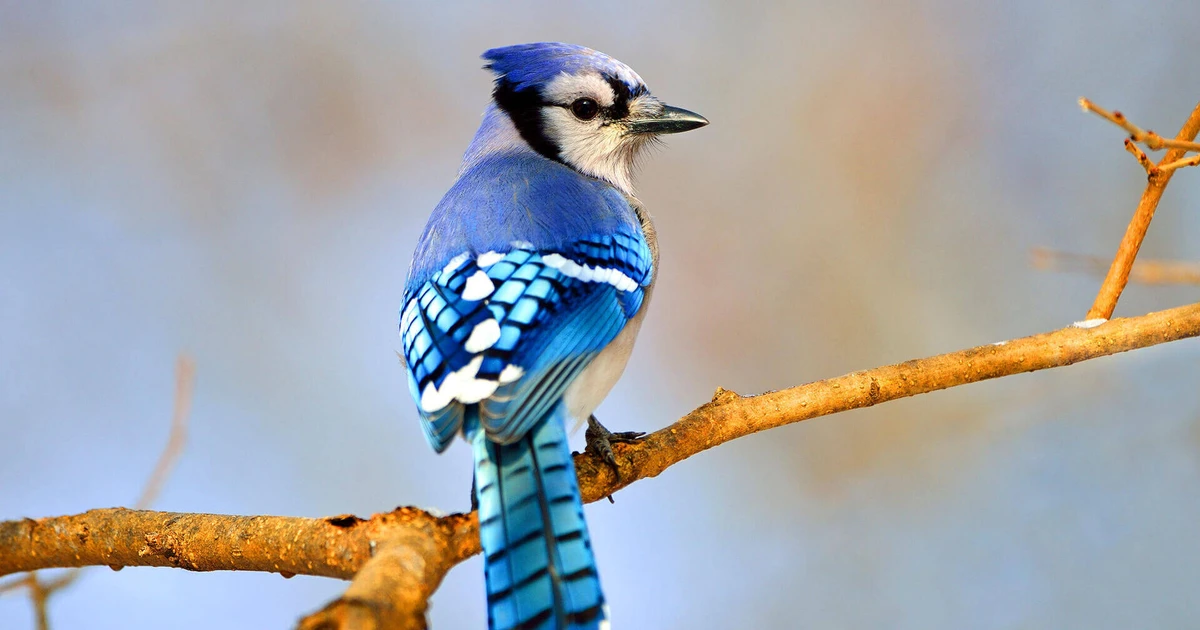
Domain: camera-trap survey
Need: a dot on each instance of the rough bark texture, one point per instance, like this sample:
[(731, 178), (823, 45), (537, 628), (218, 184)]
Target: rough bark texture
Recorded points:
[(335, 546)]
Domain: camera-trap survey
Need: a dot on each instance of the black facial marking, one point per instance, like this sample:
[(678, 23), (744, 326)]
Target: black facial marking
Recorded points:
[(524, 109), (621, 97)]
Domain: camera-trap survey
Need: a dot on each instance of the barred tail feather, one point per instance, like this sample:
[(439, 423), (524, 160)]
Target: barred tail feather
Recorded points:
[(540, 572)]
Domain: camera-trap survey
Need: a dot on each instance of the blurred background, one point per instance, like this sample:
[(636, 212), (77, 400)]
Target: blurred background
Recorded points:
[(247, 185)]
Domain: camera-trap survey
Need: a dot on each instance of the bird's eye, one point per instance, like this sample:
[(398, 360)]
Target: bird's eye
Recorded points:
[(585, 108)]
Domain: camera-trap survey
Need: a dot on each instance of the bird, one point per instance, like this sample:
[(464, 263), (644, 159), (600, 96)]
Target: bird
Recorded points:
[(524, 297)]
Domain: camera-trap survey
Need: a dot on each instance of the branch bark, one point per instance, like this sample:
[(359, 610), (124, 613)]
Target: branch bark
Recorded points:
[(336, 546), (398, 559)]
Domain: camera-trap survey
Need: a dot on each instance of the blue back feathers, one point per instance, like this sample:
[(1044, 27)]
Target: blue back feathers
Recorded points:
[(509, 197)]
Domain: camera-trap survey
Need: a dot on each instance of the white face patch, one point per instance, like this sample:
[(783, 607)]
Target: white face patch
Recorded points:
[(565, 88), (598, 147), (590, 147)]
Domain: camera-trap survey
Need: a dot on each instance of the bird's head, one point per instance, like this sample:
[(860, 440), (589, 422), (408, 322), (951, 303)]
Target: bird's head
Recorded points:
[(582, 107)]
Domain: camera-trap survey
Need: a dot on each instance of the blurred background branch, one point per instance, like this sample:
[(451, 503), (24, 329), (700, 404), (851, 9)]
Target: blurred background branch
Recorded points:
[(41, 590), (1143, 272)]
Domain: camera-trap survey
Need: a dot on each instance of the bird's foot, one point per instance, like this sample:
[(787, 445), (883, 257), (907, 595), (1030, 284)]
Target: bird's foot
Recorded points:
[(600, 441)]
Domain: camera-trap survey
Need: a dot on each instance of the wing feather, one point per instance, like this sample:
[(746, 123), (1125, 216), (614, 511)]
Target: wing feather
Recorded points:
[(555, 310)]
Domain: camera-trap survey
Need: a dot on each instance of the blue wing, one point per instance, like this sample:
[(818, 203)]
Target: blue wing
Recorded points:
[(510, 330)]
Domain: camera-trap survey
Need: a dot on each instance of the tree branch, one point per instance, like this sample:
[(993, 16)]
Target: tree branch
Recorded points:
[(397, 559), (336, 546)]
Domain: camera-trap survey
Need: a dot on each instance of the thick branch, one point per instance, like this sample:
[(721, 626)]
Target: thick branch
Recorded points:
[(330, 547), (408, 551), (392, 589)]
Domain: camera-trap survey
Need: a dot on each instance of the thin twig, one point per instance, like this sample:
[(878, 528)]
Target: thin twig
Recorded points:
[(185, 385), (1118, 273), (39, 592), (1187, 161), (15, 583), (1138, 153), (1152, 140)]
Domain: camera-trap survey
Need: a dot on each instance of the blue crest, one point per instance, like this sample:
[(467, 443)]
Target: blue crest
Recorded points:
[(530, 65)]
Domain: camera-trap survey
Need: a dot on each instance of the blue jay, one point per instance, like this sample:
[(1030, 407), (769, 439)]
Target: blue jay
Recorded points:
[(523, 300)]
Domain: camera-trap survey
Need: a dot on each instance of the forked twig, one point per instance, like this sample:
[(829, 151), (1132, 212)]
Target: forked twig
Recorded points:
[(1152, 140), (1158, 175)]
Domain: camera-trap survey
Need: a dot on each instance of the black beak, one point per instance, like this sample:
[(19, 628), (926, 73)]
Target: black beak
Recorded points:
[(669, 120)]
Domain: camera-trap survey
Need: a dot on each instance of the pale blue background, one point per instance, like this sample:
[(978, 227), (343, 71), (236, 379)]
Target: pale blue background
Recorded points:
[(247, 185)]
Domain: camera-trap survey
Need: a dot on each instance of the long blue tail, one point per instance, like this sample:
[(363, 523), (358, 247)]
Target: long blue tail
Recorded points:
[(538, 560)]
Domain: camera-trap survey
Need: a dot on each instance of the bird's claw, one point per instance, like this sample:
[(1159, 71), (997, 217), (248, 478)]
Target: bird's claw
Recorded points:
[(600, 441)]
